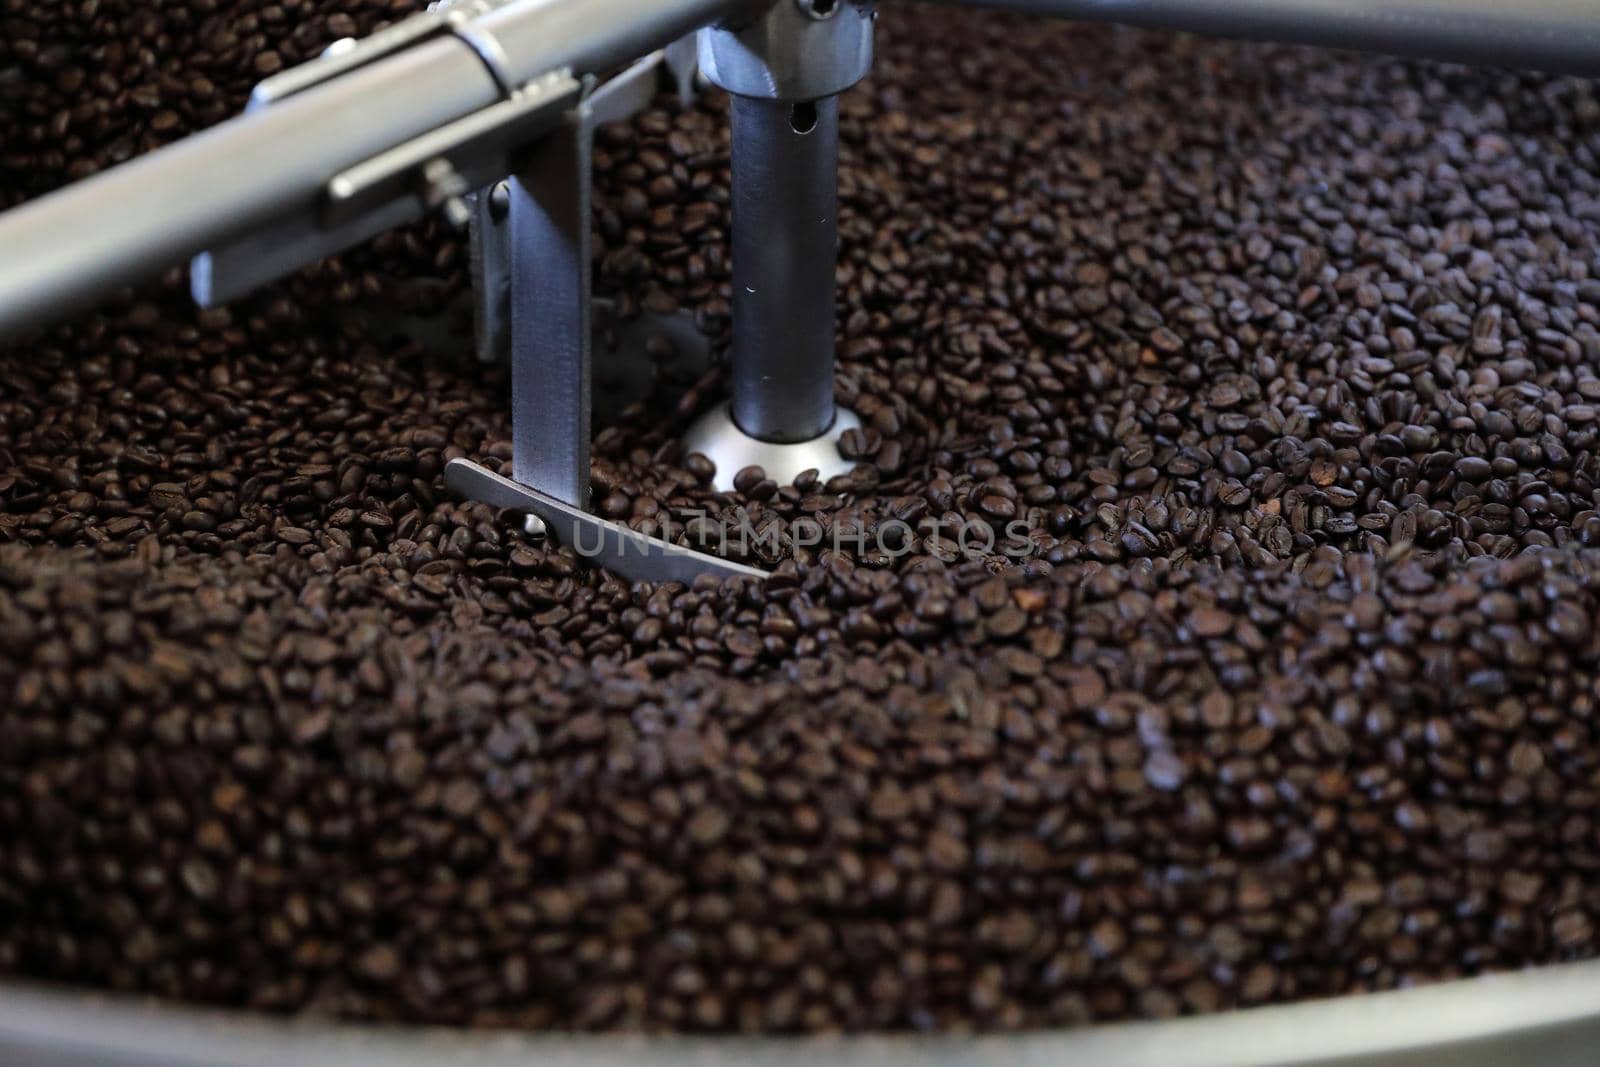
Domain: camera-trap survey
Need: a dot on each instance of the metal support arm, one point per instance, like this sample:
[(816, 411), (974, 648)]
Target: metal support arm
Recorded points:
[(418, 116), (1561, 36), (270, 169)]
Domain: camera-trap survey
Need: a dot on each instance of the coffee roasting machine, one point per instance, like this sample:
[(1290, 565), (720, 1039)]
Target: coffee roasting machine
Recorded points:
[(484, 110)]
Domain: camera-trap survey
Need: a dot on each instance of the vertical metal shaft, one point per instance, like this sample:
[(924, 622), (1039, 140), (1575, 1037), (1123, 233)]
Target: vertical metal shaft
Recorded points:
[(785, 253), (550, 282)]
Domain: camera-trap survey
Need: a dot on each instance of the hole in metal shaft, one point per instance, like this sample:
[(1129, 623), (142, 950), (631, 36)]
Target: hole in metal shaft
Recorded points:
[(803, 117)]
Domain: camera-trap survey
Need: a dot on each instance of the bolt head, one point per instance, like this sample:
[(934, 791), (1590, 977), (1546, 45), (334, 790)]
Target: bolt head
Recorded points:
[(820, 9), (500, 201)]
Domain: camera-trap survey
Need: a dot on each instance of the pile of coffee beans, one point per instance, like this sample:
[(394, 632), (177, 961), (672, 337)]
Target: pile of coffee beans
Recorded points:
[(1210, 620)]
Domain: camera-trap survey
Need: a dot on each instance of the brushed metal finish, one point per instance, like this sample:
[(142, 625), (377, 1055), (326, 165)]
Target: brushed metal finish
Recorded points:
[(550, 305), (594, 36), (1562, 36), (489, 248), (785, 254), (1548, 1017), (790, 54), (60, 252), (611, 545), (719, 439)]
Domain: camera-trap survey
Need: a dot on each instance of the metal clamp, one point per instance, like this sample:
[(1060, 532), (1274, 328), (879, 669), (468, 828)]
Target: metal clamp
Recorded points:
[(478, 149), (401, 185), (348, 54), (798, 50), (392, 189)]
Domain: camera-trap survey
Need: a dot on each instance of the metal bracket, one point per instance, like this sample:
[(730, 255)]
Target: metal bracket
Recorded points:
[(391, 189), (619, 98), (531, 260), (551, 265), (477, 148), (532, 266)]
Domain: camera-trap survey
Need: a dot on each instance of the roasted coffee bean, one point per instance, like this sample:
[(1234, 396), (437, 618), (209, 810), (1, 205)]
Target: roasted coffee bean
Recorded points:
[(1217, 582)]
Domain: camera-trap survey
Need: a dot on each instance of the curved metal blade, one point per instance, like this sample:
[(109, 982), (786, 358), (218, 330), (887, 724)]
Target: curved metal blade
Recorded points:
[(615, 547)]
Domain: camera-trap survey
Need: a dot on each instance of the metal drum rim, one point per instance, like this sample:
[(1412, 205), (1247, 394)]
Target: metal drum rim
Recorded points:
[(1548, 1016)]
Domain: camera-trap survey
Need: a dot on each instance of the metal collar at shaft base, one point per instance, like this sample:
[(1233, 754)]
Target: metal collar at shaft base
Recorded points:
[(717, 437)]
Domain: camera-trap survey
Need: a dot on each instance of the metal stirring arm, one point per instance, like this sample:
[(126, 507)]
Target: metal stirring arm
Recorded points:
[(617, 548), (427, 115), (375, 134), (530, 256), (484, 110)]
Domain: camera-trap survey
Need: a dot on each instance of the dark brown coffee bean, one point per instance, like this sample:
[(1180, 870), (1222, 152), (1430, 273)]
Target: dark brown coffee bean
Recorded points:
[(1289, 596), (1164, 770), (1210, 622)]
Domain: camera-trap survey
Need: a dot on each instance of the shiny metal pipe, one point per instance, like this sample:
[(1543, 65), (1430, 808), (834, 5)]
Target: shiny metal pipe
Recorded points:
[(785, 251), (594, 36), (1561, 36), (1545, 1017), (62, 251)]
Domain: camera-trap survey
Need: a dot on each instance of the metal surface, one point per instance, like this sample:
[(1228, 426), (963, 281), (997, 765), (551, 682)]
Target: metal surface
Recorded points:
[(785, 252), (595, 36), (477, 147), (543, 244), (634, 89), (615, 547), (489, 255), (531, 261), (682, 61), (489, 260), (716, 437), (381, 192), (460, 14), (550, 296), (236, 267), (345, 55), (791, 52), (1554, 35), (1544, 1018), (62, 251)]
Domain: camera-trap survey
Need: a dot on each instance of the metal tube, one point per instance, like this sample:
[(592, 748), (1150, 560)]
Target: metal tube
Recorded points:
[(785, 252), (1545, 1016), (1562, 36), (594, 36), (61, 251)]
